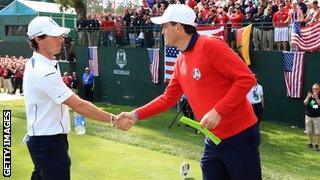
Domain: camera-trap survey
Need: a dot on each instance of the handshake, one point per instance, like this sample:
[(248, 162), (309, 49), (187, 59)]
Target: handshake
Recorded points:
[(123, 121)]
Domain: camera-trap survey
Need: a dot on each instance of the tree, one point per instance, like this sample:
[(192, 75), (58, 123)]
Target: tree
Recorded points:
[(109, 6), (78, 5), (94, 6)]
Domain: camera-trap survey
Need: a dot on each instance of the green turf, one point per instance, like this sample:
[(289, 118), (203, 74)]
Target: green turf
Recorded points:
[(152, 151)]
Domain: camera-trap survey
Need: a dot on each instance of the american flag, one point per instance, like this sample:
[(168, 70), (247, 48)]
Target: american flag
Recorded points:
[(293, 73), (153, 55), (307, 38), (93, 60), (211, 30), (171, 53)]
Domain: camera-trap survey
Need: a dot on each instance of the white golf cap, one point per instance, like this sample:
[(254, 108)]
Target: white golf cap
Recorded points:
[(41, 25), (179, 13)]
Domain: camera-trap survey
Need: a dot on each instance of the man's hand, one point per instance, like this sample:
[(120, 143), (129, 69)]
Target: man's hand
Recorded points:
[(210, 120), (124, 121)]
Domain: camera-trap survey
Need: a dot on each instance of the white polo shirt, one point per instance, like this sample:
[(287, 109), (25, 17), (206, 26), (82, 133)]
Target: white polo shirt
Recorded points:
[(255, 94), (44, 93)]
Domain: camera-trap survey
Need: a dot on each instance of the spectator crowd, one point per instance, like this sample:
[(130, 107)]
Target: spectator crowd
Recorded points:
[(11, 74), (272, 20), (12, 71)]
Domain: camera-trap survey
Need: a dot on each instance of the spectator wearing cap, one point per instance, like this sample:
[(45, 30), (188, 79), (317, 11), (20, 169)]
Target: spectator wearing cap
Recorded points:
[(281, 31), (133, 29), (47, 99), (67, 79), (88, 84)]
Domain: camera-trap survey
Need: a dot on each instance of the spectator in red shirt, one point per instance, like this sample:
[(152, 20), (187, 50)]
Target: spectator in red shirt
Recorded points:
[(191, 3), (119, 31), (215, 81), (107, 28), (281, 31), (67, 79), (236, 20), (205, 11), (287, 6), (7, 74), (222, 19)]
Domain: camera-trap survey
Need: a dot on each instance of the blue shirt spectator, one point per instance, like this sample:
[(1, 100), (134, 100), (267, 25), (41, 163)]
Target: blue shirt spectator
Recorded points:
[(87, 78)]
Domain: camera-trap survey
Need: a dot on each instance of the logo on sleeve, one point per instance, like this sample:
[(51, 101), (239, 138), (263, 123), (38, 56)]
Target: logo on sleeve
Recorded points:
[(196, 74)]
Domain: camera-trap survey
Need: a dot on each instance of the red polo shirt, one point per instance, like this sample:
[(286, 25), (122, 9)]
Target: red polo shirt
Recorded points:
[(279, 18), (211, 75)]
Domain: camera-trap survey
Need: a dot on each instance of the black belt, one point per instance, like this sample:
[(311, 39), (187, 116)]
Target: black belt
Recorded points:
[(49, 136)]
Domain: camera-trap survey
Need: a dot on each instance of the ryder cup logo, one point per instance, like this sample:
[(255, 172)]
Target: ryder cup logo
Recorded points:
[(121, 58), (196, 74)]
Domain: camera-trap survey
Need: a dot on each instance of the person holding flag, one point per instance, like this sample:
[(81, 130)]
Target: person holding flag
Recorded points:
[(216, 81)]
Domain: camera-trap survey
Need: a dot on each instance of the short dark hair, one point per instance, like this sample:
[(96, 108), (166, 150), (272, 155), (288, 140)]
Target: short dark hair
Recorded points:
[(187, 28), (315, 2), (33, 43)]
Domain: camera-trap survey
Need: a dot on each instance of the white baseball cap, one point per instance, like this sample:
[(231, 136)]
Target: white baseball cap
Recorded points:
[(179, 13), (41, 25)]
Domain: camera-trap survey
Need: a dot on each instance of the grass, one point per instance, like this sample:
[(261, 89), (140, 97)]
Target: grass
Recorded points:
[(152, 151)]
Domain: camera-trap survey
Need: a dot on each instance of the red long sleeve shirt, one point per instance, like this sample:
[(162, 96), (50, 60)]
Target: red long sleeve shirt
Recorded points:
[(211, 75)]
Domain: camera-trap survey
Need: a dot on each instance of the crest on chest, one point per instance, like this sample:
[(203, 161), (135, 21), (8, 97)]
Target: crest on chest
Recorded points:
[(196, 74)]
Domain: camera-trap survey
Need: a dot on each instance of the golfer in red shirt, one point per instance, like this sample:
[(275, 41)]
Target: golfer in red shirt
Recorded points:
[(216, 82)]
